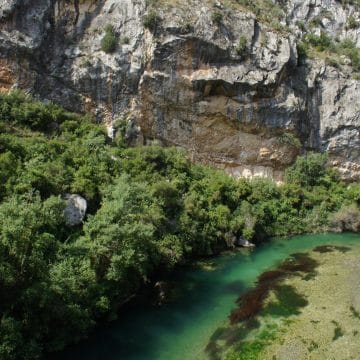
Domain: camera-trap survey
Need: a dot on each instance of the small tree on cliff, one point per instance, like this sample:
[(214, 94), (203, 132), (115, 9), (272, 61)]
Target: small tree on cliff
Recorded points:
[(109, 41)]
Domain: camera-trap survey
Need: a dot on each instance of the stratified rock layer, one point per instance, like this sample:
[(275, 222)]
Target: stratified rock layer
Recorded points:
[(187, 83)]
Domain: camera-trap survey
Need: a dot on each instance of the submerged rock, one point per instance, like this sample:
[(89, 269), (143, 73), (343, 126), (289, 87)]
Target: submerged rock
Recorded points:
[(75, 209)]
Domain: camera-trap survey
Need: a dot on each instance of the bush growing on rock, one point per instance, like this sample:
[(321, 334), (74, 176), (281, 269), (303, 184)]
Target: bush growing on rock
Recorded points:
[(324, 43), (152, 20), (321, 43), (241, 47), (109, 41), (217, 17), (352, 23), (290, 140)]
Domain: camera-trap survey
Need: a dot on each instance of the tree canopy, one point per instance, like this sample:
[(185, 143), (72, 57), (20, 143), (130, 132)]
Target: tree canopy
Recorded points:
[(149, 209)]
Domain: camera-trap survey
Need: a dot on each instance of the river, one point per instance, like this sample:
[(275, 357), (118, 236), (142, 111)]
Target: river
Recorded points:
[(182, 329)]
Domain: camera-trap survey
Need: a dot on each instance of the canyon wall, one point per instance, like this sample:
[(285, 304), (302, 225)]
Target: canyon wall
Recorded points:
[(213, 77)]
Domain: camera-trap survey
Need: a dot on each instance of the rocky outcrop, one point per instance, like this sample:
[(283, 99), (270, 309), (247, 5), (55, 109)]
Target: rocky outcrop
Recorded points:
[(244, 243), (231, 90), (75, 209)]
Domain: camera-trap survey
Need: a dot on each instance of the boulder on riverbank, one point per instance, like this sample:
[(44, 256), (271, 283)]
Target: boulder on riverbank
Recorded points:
[(244, 243), (75, 209)]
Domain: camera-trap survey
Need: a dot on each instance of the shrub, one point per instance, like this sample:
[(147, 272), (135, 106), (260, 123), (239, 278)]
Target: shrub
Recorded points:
[(348, 44), (316, 22), (321, 43), (109, 41), (241, 47), (125, 40), (352, 23), (332, 62), (290, 140), (17, 108), (307, 170), (301, 25), (276, 25), (348, 48), (355, 59), (353, 193), (152, 20), (302, 50), (324, 43), (217, 18)]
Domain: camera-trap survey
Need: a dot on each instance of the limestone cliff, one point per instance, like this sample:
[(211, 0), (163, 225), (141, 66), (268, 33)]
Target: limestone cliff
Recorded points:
[(222, 79)]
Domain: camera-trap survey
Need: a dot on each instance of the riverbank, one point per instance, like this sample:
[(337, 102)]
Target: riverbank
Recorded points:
[(198, 315), (312, 316)]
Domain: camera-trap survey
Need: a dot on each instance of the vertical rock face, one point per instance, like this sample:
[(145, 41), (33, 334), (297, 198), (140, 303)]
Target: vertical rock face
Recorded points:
[(229, 88)]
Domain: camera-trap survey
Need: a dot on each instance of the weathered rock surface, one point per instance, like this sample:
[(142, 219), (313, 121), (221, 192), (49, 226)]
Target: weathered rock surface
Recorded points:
[(244, 243), (186, 83), (75, 209)]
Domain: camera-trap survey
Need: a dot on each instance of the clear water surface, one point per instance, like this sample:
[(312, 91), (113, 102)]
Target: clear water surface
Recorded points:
[(181, 330)]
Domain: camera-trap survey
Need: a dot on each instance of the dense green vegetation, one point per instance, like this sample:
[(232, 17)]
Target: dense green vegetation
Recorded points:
[(149, 209)]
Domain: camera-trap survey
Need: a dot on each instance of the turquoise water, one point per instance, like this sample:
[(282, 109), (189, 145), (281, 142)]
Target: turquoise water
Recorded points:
[(181, 330)]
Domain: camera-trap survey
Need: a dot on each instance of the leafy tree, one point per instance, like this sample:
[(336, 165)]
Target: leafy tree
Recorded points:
[(308, 170)]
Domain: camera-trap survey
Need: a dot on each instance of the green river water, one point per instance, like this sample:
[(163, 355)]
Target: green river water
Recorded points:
[(182, 329)]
